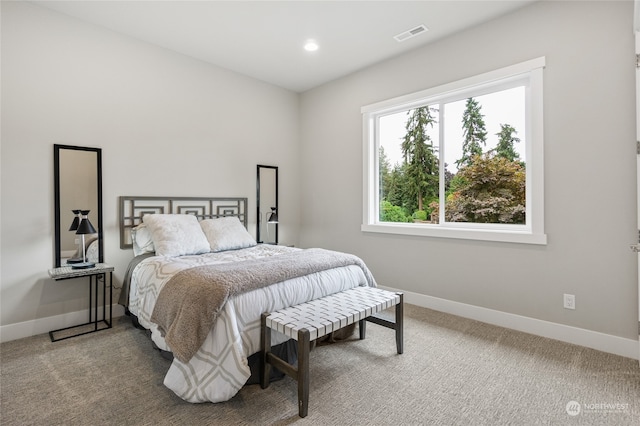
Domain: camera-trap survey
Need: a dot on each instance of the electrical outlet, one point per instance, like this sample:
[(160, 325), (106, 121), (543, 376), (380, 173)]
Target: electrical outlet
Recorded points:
[(569, 301), (77, 241)]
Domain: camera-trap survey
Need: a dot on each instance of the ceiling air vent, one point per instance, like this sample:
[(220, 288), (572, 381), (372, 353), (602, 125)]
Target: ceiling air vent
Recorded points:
[(411, 33)]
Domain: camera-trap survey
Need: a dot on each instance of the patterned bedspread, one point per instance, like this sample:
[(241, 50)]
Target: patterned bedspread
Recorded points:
[(219, 369)]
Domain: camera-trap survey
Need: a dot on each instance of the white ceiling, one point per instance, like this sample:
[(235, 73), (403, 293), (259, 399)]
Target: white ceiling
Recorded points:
[(264, 39)]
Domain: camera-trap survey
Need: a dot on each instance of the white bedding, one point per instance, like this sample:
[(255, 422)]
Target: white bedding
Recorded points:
[(219, 369)]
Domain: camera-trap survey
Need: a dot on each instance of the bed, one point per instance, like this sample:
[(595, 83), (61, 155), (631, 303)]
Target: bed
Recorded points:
[(199, 283)]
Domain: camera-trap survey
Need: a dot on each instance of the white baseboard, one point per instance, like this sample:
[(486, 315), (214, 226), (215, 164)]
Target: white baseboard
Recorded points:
[(578, 336), (44, 325)]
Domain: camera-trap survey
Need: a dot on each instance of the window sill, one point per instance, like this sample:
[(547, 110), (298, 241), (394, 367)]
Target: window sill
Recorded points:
[(438, 231)]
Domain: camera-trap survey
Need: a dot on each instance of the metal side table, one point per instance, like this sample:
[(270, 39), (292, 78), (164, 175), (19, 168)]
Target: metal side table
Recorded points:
[(96, 274)]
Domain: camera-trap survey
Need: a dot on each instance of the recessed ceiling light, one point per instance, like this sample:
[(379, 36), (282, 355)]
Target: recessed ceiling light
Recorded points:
[(311, 46)]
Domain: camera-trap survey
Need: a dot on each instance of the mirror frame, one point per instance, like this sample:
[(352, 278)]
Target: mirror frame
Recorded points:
[(258, 217), (57, 191)]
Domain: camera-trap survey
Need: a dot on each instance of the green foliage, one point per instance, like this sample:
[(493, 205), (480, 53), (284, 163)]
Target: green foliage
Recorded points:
[(421, 169), (385, 166), (506, 142), (448, 177), (391, 213), (420, 215), (488, 187), (457, 182), (434, 211), (395, 189), (474, 131), (384, 175), (491, 190)]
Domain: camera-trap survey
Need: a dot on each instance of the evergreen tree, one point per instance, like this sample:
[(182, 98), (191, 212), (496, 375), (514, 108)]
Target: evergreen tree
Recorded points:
[(474, 131), (506, 142), (396, 187), (421, 164), (384, 173), (393, 195)]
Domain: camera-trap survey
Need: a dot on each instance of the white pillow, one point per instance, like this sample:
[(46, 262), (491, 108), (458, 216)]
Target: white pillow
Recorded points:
[(176, 234), (141, 239), (226, 233)]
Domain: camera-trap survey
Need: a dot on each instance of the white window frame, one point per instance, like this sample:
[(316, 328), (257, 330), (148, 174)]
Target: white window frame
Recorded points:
[(531, 72)]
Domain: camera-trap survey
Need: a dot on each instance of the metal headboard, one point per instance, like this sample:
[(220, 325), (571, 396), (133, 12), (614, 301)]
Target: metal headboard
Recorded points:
[(133, 208)]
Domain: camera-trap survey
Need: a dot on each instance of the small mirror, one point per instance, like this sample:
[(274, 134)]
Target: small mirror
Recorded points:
[(78, 188), (267, 205)]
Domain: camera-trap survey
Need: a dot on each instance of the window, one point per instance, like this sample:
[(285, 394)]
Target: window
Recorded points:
[(462, 160)]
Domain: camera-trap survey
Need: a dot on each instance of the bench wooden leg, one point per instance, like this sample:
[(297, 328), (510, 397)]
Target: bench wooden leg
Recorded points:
[(265, 348), (303, 372), (399, 324), (362, 327)]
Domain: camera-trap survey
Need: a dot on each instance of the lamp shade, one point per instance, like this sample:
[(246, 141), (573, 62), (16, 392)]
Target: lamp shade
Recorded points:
[(85, 227), (76, 220), (273, 216)]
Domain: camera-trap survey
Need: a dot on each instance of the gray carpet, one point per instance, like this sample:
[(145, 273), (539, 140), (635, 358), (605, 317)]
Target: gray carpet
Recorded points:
[(453, 372)]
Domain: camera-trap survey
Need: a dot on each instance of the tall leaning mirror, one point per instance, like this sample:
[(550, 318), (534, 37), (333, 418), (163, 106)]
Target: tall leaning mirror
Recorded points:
[(267, 204), (78, 197)]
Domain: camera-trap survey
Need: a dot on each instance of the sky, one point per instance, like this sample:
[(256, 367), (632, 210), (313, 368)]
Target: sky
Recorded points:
[(504, 107)]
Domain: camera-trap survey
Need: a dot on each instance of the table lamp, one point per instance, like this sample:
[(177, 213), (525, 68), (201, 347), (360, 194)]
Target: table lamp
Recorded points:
[(84, 227)]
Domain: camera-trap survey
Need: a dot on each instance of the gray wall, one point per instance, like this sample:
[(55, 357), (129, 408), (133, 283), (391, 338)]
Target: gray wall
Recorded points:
[(590, 170), (167, 125), (171, 125)]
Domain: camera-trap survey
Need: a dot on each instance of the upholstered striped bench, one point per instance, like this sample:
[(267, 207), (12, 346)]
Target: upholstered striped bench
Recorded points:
[(317, 318)]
